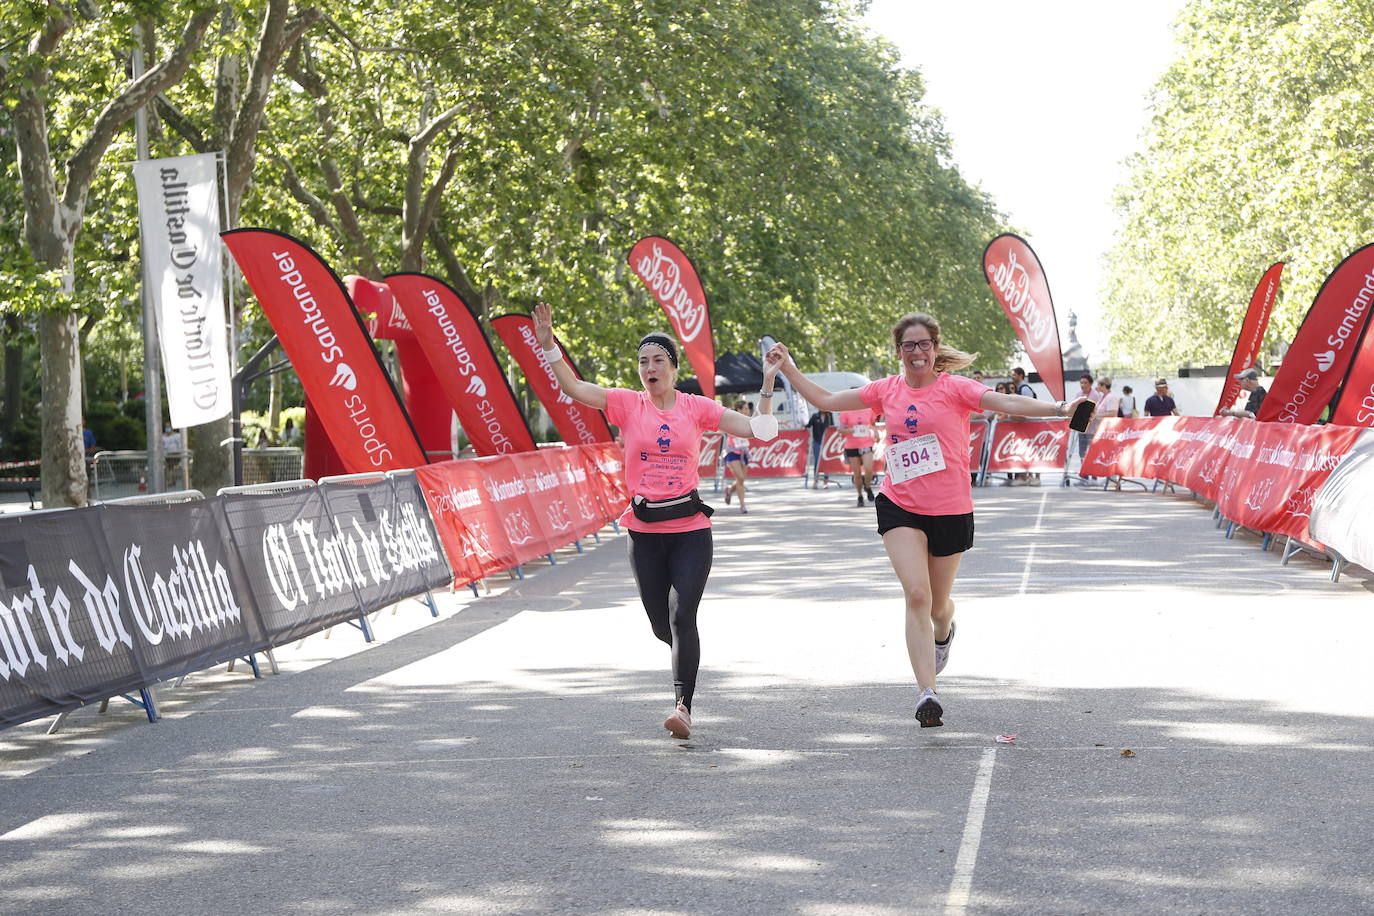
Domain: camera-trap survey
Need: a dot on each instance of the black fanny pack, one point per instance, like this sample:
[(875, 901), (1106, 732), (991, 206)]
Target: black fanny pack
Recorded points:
[(665, 510)]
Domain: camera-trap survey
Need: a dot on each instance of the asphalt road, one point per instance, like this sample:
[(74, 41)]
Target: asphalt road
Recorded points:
[(509, 757)]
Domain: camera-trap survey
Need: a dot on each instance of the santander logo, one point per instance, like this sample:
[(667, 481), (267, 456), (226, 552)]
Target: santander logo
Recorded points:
[(344, 377), (1015, 288), (1326, 360), (663, 275), (477, 386)]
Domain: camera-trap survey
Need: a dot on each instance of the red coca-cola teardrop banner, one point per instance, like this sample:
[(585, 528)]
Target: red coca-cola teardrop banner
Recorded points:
[(324, 338), (1018, 282), (1316, 363), (673, 281), (1251, 334), (462, 358), (577, 423)]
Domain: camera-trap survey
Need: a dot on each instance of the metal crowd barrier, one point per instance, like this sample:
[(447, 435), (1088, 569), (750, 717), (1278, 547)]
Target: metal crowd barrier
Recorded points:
[(269, 465), (117, 474)]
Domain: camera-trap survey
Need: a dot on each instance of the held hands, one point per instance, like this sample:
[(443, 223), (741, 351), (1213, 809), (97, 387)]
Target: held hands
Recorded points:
[(776, 360), (543, 325), (1071, 406)]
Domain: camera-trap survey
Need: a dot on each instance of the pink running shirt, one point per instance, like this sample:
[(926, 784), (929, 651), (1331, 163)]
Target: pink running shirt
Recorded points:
[(855, 419), (661, 449), (943, 409)]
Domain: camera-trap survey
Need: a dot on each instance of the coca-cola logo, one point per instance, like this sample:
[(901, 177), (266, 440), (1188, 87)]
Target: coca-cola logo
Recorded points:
[(778, 454), (832, 447), (1045, 446), (1015, 287), (664, 276)]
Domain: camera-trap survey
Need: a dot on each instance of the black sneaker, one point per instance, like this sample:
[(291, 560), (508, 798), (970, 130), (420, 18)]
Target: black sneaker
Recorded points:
[(869, 494), (860, 503), (929, 712)]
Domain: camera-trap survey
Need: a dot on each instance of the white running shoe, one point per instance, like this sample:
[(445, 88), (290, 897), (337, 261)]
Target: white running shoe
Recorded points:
[(929, 712), (942, 651), (679, 724)]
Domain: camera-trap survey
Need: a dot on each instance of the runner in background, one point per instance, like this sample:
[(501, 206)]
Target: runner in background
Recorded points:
[(857, 428), (737, 458), (669, 526), (925, 504)]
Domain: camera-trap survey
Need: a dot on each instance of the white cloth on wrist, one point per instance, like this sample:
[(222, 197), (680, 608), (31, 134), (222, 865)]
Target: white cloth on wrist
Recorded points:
[(764, 426), (553, 355)]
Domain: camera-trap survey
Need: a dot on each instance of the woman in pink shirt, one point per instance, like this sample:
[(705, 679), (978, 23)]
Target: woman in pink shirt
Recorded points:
[(857, 428), (925, 505), (669, 526)]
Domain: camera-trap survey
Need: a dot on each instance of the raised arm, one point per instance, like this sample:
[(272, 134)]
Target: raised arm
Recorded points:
[(833, 401), (763, 425), (578, 389)]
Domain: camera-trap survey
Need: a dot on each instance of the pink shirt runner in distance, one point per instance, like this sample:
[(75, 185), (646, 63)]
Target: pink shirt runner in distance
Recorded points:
[(943, 409), (856, 418), (661, 449)]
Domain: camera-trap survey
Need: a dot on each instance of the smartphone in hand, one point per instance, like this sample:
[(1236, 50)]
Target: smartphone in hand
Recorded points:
[(1081, 415)]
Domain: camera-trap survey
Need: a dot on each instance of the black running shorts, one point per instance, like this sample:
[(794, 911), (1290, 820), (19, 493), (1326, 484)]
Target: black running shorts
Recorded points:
[(947, 534), (857, 452)]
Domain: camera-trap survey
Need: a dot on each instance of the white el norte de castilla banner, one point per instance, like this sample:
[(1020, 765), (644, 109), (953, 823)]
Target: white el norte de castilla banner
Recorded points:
[(178, 208)]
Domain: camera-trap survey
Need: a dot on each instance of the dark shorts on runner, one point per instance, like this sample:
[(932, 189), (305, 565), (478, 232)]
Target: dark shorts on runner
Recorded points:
[(946, 534), (857, 452), (736, 456)]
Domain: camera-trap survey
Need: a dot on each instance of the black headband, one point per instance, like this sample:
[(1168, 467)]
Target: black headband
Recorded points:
[(663, 341)]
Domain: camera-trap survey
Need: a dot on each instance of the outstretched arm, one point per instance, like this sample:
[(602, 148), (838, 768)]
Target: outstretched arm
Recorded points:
[(815, 395), (576, 388), (1018, 405)]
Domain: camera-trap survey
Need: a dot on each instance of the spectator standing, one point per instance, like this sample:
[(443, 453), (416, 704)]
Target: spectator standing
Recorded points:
[(820, 421), (88, 439), (1249, 381), (1019, 385), (1127, 408), (289, 434), (1160, 404)]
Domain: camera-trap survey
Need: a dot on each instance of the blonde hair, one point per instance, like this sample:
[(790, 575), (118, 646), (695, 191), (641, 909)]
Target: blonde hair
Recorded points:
[(947, 359)]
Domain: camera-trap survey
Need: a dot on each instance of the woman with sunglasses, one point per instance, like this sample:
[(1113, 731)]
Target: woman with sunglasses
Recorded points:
[(925, 503), (669, 525)]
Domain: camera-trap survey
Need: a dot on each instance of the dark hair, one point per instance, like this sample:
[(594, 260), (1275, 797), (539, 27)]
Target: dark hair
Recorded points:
[(1018, 371), (1086, 376), (659, 339)]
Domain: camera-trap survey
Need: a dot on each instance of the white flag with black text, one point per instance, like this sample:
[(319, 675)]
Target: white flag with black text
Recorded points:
[(178, 206)]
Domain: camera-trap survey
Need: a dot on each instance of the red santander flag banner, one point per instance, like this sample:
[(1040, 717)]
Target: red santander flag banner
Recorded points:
[(324, 338), (462, 359), (1251, 333), (1316, 363), (577, 423), (673, 281), (1018, 281), (1028, 446)]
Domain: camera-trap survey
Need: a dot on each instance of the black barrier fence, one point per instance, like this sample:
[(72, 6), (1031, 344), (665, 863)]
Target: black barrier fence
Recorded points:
[(102, 601)]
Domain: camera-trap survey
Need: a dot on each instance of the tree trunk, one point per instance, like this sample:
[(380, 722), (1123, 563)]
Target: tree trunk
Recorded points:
[(14, 361), (64, 465)]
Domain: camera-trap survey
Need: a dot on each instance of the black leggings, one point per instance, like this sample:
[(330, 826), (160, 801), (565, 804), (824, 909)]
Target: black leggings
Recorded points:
[(670, 570)]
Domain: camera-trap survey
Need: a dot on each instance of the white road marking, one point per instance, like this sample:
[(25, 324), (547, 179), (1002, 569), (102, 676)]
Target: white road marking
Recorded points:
[(962, 885), (1035, 536)]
